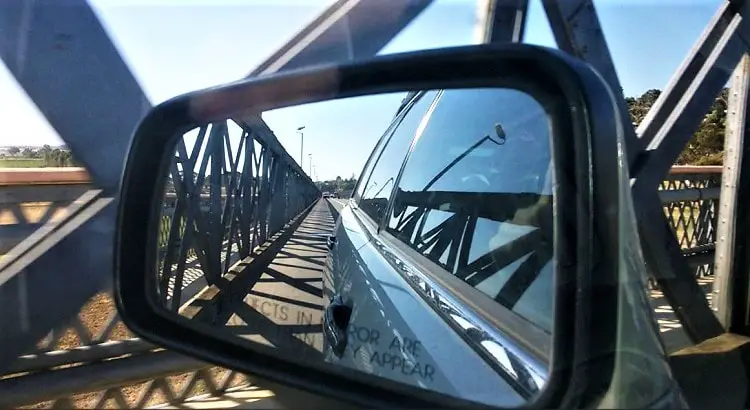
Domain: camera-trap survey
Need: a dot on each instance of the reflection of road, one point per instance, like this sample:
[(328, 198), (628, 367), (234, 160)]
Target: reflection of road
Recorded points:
[(276, 298)]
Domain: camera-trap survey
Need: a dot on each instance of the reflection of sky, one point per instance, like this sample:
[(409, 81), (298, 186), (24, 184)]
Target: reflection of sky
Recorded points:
[(231, 146), (498, 234), (537, 302), (461, 119), (492, 285)]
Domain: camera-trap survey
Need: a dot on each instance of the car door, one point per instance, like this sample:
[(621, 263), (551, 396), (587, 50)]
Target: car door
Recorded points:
[(348, 235)]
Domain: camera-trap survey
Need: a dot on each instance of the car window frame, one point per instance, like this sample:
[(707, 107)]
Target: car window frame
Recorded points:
[(374, 157), (425, 119), (368, 222)]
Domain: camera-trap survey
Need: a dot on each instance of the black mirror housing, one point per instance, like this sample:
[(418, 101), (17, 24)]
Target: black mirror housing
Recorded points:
[(587, 135)]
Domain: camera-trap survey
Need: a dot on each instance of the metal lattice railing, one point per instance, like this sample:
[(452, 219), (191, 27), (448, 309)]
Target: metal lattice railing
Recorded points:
[(94, 361), (212, 220), (690, 196)]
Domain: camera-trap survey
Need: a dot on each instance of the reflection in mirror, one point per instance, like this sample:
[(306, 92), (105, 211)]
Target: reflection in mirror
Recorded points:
[(439, 272)]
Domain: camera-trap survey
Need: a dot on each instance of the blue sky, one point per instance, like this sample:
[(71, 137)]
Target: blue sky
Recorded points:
[(176, 46)]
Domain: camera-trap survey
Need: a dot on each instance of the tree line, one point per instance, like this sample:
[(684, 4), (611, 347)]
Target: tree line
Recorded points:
[(338, 185), (51, 157), (706, 147)]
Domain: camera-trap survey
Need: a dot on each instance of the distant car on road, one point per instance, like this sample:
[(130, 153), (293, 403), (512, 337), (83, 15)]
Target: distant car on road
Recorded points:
[(326, 194)]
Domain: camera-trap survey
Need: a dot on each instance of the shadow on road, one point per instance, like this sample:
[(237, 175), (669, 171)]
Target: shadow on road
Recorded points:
[(672, 333), (274, 297)]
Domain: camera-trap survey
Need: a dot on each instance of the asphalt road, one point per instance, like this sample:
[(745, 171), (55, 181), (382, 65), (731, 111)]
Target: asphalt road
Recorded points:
[(277, 297)]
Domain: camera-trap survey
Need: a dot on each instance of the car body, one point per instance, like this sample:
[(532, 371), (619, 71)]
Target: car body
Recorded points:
[(326, 194), (410, 317), (429, 278)]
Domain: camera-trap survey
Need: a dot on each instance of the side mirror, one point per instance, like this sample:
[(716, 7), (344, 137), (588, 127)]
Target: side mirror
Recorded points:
[(476, 262)]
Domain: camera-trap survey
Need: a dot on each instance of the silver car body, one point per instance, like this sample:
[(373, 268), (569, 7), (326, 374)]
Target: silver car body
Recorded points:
[(409, 323)]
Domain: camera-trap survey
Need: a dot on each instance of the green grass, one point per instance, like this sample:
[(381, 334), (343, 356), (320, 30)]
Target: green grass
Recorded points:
[(21, 163)]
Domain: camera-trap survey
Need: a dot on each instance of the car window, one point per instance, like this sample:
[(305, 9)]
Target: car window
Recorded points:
[(475, 197), (377, 191), (373, 157)]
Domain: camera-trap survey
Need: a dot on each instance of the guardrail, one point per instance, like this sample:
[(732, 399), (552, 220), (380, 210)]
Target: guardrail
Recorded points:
[(95, 361)]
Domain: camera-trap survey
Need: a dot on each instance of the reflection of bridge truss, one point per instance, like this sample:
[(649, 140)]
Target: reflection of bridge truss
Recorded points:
[(230, 202), (449, 242)]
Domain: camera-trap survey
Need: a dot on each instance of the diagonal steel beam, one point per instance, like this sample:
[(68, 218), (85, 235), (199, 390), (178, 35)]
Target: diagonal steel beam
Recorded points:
[(679, 110), (348, 30), (730, 289), (577, 30), (685, 74), (497, 21), (665, 132), (60, 54), (40, 39), (661, 248), (502, 20)]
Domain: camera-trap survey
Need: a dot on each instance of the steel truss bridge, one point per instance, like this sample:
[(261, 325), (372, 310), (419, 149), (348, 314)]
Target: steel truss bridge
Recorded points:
[(62, 342)]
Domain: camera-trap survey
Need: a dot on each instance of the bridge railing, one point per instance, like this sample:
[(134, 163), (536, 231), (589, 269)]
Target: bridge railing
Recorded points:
[(95, 361), (241, 198), (690, 196)]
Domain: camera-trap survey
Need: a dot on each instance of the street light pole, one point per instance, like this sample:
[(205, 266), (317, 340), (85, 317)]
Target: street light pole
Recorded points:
[(310, 161), (301, 143)]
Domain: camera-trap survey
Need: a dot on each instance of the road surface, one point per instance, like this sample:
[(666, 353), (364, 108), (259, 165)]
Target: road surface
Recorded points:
[(276, 295)]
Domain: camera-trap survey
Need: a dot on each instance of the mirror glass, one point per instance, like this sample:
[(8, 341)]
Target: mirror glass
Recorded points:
[(406, 236)]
